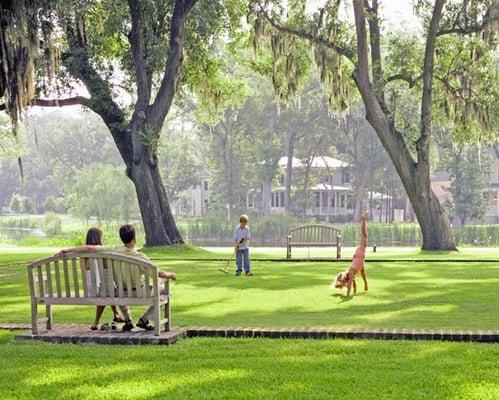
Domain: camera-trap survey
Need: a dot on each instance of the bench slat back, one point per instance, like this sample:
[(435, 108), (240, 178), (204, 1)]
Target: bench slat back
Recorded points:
[(315, 233), (91, 275)]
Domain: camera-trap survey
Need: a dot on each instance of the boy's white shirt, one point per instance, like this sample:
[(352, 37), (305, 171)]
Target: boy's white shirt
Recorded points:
[(242, 233)]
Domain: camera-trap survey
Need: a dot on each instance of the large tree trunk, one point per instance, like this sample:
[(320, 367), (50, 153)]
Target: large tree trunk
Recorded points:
[(415, 176), (359, 198), (159, 224)]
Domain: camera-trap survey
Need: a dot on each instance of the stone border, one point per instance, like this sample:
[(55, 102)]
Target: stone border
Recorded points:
[(15, 327), (488, 336), (81, 334), (68, 333)]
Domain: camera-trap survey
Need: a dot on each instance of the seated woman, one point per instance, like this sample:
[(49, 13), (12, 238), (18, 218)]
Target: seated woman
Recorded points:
[(94, 237)]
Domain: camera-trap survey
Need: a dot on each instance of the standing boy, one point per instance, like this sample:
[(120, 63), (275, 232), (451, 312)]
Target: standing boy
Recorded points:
[(242, 236)]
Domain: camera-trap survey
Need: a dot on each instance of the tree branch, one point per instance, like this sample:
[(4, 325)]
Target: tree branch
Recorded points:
[(375, 38), (346, 52), (466, 30), (404, 77), (77, 61), (423, 142), (136, 39), (78, 100), (159, 109)]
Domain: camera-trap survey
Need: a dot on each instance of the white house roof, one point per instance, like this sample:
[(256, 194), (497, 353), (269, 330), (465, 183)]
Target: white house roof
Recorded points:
[(317, 162), (328, 162), (283, 162), (328, 187), (440, 176)]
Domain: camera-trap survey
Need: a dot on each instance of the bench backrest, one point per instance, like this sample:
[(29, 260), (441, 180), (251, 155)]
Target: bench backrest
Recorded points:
[(76, 275), (314, 233)]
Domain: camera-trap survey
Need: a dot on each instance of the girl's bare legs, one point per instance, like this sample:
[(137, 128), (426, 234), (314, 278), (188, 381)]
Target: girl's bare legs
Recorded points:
[(98, 313)]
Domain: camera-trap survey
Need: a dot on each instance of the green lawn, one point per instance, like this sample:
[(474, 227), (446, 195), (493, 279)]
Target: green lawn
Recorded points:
[(250, 369), (454, 295)]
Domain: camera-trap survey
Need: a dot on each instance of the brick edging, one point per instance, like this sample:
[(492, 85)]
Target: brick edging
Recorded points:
[(482, 336), (15, 327), (328, 333)]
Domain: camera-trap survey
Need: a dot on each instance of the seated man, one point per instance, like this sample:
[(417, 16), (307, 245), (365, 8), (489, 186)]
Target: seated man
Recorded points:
[(347, 278), (127, 235)]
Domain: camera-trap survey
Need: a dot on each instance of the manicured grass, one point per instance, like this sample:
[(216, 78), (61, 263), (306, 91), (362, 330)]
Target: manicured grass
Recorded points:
[(250, 369), (457, 295), (409, 295)]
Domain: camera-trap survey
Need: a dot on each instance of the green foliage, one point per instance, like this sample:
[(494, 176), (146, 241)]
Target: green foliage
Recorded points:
[(469, 171), (467, 89), (57, 205), (18, 222), (52, 224), (21, 204), (102, 191)]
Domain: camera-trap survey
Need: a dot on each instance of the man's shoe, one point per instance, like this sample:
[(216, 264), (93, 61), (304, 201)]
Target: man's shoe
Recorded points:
[(144, 324), (249, 274), (238, 273), (128, 326)]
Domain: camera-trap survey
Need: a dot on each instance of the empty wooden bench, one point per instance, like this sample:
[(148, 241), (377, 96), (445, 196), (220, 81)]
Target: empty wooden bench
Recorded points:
[(315, 235), (72, 280)]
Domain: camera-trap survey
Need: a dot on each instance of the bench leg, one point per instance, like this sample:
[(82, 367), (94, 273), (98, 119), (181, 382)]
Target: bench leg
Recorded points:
[(288, 252), (167, 315), (48, 314), (34, 317), (157, 318)]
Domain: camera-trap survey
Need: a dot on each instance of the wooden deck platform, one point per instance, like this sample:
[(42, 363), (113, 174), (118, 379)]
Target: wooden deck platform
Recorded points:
[(81, 334)]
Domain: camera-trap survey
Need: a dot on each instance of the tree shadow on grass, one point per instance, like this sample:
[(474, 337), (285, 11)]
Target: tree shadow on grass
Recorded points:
[(250, 368)]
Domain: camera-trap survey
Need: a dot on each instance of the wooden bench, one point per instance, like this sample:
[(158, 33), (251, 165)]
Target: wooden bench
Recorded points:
[(315, 235), (72, 280)]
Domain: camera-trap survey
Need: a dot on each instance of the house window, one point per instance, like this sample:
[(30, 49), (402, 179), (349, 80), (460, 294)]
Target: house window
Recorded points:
[(275, 200), (324, 199), (205, 185), (278, 199), (333, 200), (342, 201), (345, 177), (206, 202), (317, 199), (281, 179)]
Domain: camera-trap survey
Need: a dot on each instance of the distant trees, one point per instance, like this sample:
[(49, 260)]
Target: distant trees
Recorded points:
[(102, 191), (451, 69), (469, 169)]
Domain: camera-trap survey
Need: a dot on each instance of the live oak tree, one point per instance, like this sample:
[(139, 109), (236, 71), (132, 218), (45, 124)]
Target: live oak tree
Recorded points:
[(454, 65), (112, 47)]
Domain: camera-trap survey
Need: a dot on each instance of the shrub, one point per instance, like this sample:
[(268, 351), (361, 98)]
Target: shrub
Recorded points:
[(52, 224)]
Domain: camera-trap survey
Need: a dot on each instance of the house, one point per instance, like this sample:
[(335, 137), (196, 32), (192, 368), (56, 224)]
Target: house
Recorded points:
[(194, 201), (492, 210), (331, 196), (440, 184)]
